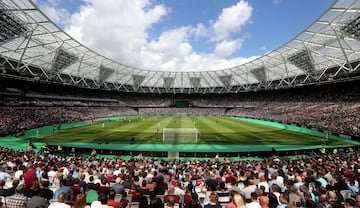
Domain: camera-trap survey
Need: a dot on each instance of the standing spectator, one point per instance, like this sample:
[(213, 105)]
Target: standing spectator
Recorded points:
[(29, 175), (18, 199)]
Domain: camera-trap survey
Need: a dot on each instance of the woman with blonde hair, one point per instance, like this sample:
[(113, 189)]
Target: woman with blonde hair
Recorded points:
[(80, 201), (239, 201)]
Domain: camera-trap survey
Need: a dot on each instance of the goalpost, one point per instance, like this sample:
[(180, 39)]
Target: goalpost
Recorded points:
[(181, 114), (180, 134)]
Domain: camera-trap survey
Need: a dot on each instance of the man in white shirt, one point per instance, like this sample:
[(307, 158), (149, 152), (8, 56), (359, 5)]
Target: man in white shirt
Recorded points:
[(60, 202), (178, 190), (254, 201), (264, 184), (4, 175), (101, 203)]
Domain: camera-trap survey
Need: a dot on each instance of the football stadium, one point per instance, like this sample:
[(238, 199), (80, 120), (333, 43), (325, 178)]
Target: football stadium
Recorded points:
[(299, 102)]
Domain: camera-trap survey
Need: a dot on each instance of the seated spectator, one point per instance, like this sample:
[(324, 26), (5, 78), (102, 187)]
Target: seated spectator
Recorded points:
[(34, 189), (254, 201), (80, 201), (223, 194), (213, 201), (118, 187), (155, 202), (37, 201), (101, 202), (104, 188), (111, 200), (264, 202), (45, 192), (3, 174), (170, 202), (171, 195), (357, 199), (3, 190), (76, 188), (194, 203), (60, 203), (11, 191), (63, 189), (159, 188), (124, 204), (92, 194), (284, 200), (18, 199), (143, 201)]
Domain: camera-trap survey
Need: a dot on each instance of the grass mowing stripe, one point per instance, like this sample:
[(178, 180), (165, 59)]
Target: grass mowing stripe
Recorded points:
[(230, 131), (214, 130)]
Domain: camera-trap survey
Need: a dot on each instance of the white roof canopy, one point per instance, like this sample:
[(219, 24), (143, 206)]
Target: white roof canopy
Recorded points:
[(33, 46)]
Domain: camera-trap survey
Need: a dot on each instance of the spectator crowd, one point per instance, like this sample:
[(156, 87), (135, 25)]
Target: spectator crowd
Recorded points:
[(29, 179)]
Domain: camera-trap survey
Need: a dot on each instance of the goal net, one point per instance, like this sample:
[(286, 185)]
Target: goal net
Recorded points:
[(180, 135)]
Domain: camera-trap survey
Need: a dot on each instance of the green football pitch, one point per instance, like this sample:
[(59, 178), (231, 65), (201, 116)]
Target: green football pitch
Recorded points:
[(212, 130)]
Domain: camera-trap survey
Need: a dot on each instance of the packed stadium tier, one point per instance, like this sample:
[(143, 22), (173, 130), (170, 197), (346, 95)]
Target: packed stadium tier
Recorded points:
[(328, 110), (332, 107)]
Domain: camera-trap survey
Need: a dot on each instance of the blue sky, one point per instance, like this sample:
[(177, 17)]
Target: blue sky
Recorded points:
[(183, 35)]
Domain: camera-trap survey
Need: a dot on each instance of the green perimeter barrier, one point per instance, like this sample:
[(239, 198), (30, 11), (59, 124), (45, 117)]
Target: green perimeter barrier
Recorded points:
[(293, 128)]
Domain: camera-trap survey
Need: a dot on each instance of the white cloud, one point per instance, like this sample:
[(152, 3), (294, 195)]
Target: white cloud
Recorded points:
[(119, 29), (263, 48), (56, 13), (199, 31), (277, 1), (231, 20), (225, 47), (168, 50)]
